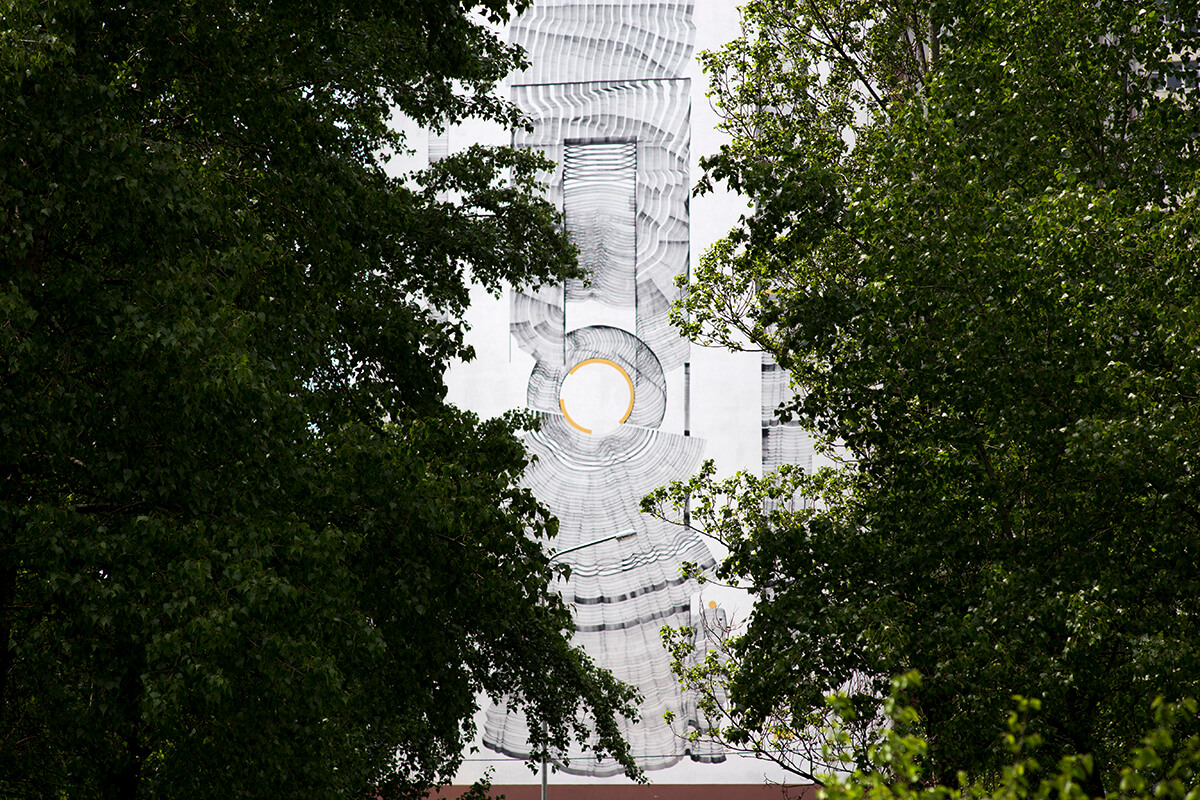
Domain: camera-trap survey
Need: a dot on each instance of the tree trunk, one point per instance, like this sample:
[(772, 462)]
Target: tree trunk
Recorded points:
[(1082, 712), (8, 595), (124, 778)]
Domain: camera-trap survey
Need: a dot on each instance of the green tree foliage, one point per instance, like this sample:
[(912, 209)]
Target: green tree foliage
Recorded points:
[(246, 549), (973, 245), (1163, 764)]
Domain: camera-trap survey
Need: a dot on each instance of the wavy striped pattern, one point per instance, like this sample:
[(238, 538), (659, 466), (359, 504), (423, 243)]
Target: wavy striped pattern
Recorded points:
[(776, 390), (600, 206), (571, 41), (538, 323), (786, 444), (622, 592), (782, 442)]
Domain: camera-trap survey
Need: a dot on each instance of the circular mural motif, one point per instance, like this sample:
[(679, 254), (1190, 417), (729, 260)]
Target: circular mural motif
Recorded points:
[(609, 377), (599, 393)]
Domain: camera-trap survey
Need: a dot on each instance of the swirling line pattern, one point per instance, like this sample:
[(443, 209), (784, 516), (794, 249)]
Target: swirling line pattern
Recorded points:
[(622, 348), (600, 206), (605, 100), (622, 593), (655, 114), (572, 41)]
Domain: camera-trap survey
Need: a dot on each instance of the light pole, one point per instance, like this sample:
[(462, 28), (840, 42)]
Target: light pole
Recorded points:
[(620, 536)]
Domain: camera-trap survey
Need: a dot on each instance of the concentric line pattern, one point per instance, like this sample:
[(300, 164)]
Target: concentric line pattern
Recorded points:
[(622, 592), (624, 349), (538, 323), (571, 41), (656, 115), (600, 205)]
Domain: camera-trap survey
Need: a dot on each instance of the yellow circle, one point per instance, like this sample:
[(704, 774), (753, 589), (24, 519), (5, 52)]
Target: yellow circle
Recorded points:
[(629, 381), (712, 603)]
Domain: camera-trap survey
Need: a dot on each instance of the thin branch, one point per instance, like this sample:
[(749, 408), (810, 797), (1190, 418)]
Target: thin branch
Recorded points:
[(852, 62)]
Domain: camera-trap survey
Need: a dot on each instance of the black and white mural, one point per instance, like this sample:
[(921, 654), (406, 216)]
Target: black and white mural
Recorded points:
[(608, 104), (625, 404)]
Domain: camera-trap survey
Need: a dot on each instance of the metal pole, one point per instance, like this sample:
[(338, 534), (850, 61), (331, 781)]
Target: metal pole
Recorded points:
[(620, 537)]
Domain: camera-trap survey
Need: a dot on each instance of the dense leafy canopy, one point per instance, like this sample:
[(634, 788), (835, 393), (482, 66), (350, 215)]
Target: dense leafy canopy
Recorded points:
[(246, 550), (974, 245), (1164, 764)]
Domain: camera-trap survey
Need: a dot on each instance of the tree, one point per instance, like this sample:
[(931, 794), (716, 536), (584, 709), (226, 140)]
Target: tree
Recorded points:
[(245, 546), (973, 245), (1163, 764)]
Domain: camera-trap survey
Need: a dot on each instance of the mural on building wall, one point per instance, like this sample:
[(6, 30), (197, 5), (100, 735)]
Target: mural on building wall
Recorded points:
[(782, 442), (606, 101)]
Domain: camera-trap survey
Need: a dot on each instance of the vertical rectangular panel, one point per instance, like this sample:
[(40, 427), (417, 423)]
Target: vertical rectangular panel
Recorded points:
[(600, 205)]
